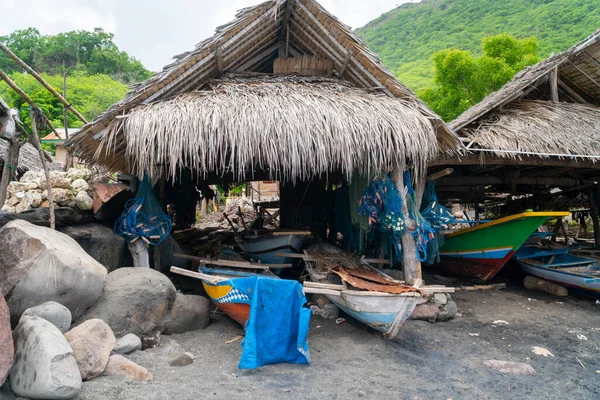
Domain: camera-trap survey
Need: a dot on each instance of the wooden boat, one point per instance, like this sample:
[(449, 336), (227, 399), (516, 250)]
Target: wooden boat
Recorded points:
[(580, 274), (382, 311), (220, 287), (262, 247), (483, 250)]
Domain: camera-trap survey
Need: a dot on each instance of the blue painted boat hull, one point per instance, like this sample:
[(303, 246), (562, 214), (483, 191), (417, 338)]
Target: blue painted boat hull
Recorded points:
[(576, 273)]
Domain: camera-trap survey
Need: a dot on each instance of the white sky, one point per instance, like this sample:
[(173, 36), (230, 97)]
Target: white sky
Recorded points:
[(155, 30)]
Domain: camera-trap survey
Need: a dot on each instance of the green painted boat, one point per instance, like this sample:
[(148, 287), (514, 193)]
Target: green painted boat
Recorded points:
[(483, 250)]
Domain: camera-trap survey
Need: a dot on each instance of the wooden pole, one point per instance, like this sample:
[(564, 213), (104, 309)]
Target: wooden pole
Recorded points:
[(411, 267), (35, 139), (42, 81), (593, 198), (9, 168), (69, 160), (554, 85), (24, 96)]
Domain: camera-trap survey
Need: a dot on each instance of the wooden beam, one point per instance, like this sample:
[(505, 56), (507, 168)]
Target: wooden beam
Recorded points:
[(553, 80), (570, 91), (219, 60), (496, 180), (198, 275), (284, 37), (345, 64), (593, 199), (592, 59), (492, 159)]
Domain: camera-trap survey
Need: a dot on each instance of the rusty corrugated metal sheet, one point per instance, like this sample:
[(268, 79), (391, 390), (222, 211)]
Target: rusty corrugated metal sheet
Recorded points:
[(348, 275)]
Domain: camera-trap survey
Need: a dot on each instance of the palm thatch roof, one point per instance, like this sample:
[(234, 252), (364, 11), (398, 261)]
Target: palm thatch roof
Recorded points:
[(550, 109), (193, 114), (29, 158)]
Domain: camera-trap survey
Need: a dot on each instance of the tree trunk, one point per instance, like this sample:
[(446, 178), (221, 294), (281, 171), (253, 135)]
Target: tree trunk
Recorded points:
[(411, 267), (9, 170)]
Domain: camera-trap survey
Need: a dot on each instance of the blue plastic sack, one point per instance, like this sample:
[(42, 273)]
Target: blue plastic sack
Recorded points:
[(277, 329)]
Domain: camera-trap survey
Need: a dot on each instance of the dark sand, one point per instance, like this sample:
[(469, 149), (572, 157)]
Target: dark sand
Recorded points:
[(429, 361)]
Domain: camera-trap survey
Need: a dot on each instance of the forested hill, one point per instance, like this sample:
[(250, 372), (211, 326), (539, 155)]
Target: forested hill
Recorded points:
[(406, 37)]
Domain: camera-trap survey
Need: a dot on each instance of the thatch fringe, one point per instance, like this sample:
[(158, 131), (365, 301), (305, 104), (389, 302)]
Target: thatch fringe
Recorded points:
[(292, 127), (540, 127)]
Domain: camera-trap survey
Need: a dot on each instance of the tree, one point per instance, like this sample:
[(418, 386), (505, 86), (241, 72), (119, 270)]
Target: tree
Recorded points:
[(462, 80)]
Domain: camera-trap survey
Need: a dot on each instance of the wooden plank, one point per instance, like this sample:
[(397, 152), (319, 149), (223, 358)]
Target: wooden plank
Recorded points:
[(484, 287), (437, 289), (219, 59), (553, 81), (198, 275), (231, 263), (296, 233), (440, 174), (379, 294), (319, 285), (313, 290)]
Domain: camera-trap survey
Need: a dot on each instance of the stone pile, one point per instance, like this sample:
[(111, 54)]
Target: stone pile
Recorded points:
[(70, 189), (68, 312), (435, 308)]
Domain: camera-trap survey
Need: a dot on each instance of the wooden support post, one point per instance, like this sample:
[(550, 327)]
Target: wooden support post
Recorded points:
[(411, 268), (593, 198), (139, 253), (35, 139), (9, 168), (42, 81), (554, 85)]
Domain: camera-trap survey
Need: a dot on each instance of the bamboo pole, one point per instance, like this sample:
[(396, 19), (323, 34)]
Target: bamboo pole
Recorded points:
[(42, 81), (24, 96), (36, 142)]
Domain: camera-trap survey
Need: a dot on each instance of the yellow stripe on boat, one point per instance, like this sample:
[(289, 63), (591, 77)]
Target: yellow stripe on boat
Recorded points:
[(551, 214), (217, 291)]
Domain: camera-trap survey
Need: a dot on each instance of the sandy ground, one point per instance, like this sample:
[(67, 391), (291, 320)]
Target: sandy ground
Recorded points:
[(429, 361)]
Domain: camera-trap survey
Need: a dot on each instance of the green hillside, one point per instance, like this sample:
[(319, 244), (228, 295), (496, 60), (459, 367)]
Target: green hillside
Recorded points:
[(406, 37)]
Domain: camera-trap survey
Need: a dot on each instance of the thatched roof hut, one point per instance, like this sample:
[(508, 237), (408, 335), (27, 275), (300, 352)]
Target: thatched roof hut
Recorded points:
[(29, 158), (548, 110), (241, 101), (539, 132)]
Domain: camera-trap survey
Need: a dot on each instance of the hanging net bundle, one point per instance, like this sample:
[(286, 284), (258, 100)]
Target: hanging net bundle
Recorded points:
[(144, 218)]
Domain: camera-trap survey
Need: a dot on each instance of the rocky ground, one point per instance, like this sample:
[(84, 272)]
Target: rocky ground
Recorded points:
[(429, 361)]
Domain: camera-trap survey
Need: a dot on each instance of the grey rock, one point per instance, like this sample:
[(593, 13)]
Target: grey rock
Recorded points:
[(134, 300), (189, 313), (44, 366), (448, 311), (128, 344), (328, 311), (7, 347), (38, 264), (426, 312), (509, 367), (101, 243), (52, 312), (92, 343), (180, 360), (440, 299)]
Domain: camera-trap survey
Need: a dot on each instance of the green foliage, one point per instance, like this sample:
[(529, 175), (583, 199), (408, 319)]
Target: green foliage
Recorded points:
[(83, 51), (407, 37), (89, 94), (462, 80)]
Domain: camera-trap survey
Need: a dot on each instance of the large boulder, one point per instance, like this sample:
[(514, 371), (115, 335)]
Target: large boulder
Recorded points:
[(189, 313), (38, 264), (44, 366), (6, 342), (53, 312), (134, 300), (92, 343), (100, 242)]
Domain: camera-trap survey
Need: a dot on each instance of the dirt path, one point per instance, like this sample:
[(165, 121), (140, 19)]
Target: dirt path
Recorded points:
[(429, 361)]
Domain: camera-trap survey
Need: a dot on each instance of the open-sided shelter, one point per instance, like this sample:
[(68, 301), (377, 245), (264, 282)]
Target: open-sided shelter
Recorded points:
[(536, 137), (285, 91)]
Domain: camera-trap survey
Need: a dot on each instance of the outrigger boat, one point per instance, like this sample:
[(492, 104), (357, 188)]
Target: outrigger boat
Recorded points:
[(483, 250), (580, 274), (361, 291)]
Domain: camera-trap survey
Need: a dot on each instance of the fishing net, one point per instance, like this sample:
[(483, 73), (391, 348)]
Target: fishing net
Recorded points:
[(144, 218), (423, 232), (438, 216)]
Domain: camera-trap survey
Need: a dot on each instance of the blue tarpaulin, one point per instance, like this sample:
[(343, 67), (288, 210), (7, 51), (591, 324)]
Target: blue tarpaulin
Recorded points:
[(277, 330)]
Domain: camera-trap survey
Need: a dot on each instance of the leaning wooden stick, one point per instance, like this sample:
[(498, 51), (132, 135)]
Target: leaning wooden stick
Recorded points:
[(36, 142)]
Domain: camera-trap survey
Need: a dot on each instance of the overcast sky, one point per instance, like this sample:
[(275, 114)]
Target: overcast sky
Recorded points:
[(155, 30)]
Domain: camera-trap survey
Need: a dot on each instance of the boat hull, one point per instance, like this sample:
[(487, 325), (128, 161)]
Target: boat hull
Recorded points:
[(228, 299), (483, 250), (263, 248), (583, 283), (382, 313)]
